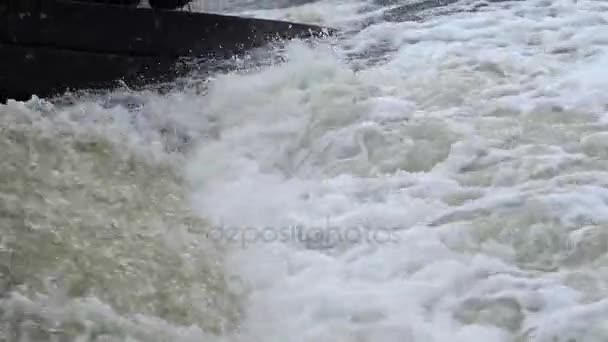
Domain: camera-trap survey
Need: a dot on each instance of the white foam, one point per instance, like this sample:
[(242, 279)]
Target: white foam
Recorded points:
[(478, 142), (312, 143)]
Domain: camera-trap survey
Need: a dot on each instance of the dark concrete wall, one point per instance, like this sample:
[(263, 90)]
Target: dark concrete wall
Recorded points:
[(49, 46), (140, 31)]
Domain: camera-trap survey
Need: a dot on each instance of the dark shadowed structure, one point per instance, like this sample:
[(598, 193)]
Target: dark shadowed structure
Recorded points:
[(50, 46)]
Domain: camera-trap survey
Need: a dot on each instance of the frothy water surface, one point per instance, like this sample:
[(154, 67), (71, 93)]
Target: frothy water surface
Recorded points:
[(469, 144)]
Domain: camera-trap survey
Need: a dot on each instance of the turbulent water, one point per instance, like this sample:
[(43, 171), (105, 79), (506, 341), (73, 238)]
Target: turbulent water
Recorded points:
[(437, 173)]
